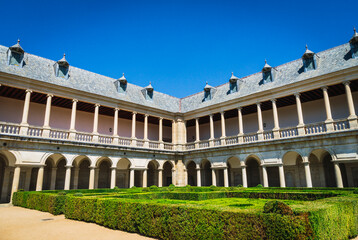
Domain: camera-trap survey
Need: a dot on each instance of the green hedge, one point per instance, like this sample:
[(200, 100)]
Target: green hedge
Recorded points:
[(52, 203), (173, 222)]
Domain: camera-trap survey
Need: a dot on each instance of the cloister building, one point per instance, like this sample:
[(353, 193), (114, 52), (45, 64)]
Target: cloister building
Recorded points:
[(293, 125)]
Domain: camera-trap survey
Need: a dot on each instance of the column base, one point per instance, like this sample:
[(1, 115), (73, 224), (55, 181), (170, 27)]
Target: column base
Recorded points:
[(72, 135), (276, 133), (301, 130), (95, 138), (329, 125), (260, 135)]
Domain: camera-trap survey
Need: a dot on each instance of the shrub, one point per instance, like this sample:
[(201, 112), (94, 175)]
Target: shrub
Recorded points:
[(154, 188), (62, 193), (146, 189), (78, 194), (355, 191), (171, 187), (213, 188), (259, 186), (240, 186), (277, 207)]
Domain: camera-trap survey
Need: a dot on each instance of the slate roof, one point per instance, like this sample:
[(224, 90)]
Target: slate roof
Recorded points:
[(41, 69)]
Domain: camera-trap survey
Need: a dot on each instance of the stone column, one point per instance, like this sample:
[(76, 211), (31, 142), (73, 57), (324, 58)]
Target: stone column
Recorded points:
[(161, 143), (113, 177), (260, 135), (244, 176), (198, 177), (76, 173), (264, 176), (329, 120), (308, 174), (146, 143), (226, 178), (68, 178), (338, 174), (197, 133), (160, 177), (134, 139), (131, 178), (25, 113), (276, 129), (352, 114), (40, 178), (301, 125), (145, 178), (241, 128), (91, 177), (213, 176), (174, 175), (282, 176), (115, 126), (46, 126), (95, 123), (96, 176), (223, 128), (15, 181), (211, 130), (53, 178), (73, 120)]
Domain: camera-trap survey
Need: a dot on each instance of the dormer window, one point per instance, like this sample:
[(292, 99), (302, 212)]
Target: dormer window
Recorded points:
[(149, 92), (354, 44), (62, 68), (16, 55), (267, 73), (309, 62), (207, 92), (121, 84), (233, 83)]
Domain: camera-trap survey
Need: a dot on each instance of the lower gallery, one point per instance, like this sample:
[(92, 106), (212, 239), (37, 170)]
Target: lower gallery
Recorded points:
[(293, 125)]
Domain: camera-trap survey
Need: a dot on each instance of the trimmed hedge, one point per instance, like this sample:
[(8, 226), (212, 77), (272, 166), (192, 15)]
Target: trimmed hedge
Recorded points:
[(173, 222)]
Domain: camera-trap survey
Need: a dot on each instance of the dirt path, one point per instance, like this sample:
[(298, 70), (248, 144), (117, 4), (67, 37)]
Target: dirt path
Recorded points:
[(25, 224)]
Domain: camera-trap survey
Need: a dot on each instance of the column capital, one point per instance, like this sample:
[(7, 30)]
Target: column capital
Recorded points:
[(197, 118), (97, 105), (211, 115), (113, 168), (324, 88), (146, 115), (116, 109), (258, 104), (49, 95), (222, 112), (239, 108), (297, 94), (273, 100), (161, 118), (74, 100), (28, 91), (345, 83), (68, 166), (134, 113)]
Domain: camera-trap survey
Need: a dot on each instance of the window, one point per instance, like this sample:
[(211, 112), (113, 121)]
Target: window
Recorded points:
[(207, 95), (233, 87), (122, 87), (354, 49), (267, 77), (149, 94), (62, 67), (16, 58), (309, 63), (62, 71)]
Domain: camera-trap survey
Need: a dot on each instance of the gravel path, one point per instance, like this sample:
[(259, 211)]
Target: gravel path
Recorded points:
[(26, 224)]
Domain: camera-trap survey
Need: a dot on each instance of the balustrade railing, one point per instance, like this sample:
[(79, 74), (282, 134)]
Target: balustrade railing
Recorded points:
[(217, 142), (124, 141), (105, 139), (204, 144), (288, 132), (140, 143), (168, 146), (84, 137), (231, 140), (9, 128), (315, 128), (340, 125), (268, 135), (34, 131), (153, 144), (59, 134), (190, 146), (251, 137)]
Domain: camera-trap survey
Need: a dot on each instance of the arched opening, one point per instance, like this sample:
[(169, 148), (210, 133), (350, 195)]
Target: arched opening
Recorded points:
[(83, 174), (253, 172), (273, 176), (46, 185), (152, 173), (294, 170), (206, 175), (33, 178), (192, 176), (330, 178), (167, 174), (104, 174), (122, 175), (7, 162), (60, 174), (3, 167), (234, 171)]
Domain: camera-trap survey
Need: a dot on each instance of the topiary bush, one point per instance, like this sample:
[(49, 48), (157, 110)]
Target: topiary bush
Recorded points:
[(277, 207), (154, 188), (78, 194), (259, 186), (213, 188), (240, 186), (171, 187)]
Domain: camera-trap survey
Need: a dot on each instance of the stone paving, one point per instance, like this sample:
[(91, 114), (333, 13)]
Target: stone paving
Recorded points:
[(26, 224)]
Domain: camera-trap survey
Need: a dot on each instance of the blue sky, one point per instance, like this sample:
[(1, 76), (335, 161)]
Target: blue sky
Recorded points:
[(177, 45)]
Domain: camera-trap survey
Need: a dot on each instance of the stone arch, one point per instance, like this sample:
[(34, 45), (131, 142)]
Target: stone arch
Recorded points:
[(81, 173), (253, 171), (191, 172), (49, 171), (103, 175), (10, 157), (294, 169), (206, 174), (167, 177), (152, 173), (234, 171), (123, 172), (60, 173)]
